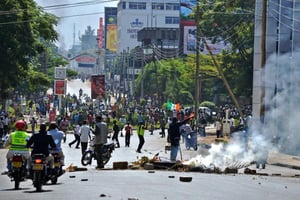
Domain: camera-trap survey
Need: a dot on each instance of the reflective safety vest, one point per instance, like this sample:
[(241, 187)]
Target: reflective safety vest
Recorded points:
[(18, 141), (140, 131)]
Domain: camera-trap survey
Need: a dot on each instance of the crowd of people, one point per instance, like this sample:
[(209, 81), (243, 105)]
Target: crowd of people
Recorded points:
[(81, 117)]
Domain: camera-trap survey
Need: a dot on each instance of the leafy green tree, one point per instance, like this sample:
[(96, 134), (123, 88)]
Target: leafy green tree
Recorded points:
[(23, 27), (233, 23), (174, 79)]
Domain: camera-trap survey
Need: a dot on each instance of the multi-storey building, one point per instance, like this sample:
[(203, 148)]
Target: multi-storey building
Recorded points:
[(134, 15), (276, 78), (282, 38)]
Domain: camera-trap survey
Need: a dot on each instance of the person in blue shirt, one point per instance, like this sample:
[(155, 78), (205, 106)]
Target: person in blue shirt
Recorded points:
[(58, 137)]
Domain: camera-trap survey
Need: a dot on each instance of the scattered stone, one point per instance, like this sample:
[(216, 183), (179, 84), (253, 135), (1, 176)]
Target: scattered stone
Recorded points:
[(249, 171), (102, 195), (262, 174), (120, 165), (72, 176), (80, 168), (276, 174), (148, 166), (185, 179), (230, 171), (171, 176), (84, 179)]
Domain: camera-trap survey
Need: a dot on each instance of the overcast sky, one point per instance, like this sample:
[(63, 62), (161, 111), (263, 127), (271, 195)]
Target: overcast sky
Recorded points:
[(66, 24)]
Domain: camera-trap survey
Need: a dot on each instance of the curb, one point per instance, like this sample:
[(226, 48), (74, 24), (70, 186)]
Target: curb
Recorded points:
[(286, 165)]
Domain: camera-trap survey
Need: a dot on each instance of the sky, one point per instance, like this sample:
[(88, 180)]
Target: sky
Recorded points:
[(85, 17)]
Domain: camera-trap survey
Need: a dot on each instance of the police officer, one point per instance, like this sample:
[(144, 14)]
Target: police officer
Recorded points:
[(17, 143)]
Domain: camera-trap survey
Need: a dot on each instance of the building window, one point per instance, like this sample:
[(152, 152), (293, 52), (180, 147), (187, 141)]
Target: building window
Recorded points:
[(137, 5), (158, 6), (172, 6), (124, 5), (172, 20)]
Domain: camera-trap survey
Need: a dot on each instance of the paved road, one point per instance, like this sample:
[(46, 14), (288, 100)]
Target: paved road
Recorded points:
[(74, 86), (153, 185)]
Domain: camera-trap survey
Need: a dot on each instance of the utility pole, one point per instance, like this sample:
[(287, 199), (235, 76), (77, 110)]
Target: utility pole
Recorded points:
[(263, 54), (197, 74)]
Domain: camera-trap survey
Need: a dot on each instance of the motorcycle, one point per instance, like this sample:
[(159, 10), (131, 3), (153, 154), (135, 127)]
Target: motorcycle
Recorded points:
[(90, 153), (40, 172), (18, 169), (58, 171)]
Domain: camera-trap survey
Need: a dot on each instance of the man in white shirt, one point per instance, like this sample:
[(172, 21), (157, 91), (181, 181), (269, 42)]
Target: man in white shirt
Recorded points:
[(76, 135), (84, 136)]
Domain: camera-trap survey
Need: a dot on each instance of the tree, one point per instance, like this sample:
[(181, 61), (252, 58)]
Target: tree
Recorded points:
[(23, 27), (174, 79), (233, 23)]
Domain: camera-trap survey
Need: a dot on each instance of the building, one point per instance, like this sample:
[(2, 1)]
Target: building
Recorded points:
[(134, 15), (276, 78), (282, 38)]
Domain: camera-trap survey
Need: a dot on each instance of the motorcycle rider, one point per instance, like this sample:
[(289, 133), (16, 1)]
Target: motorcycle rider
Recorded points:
[(101, 132), (57, 136), (40, 145), (16, 143)]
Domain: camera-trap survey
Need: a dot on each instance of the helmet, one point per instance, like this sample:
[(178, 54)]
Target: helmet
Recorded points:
[(20, 125)]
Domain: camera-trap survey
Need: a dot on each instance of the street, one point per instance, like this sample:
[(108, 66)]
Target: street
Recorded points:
[(152, 184), (133, 184)]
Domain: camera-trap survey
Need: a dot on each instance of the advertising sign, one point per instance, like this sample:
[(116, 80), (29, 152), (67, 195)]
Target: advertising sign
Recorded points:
[(189, 45), (60, 87), (60, 73), (100, 33), (111, 37), (86, 61), (98, 86)]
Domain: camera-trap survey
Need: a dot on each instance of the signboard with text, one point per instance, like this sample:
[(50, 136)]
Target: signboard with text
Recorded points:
[(60, 73), (60, 87)]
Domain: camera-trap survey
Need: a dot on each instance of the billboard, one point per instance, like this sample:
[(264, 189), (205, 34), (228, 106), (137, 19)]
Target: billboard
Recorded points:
[(189, 42), (100, 33), (111, 28), (111, 38), (86, 61), (60, 87), (98, 86)]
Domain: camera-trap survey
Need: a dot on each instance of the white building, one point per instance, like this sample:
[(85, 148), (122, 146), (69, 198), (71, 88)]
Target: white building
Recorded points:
[(134, 15)]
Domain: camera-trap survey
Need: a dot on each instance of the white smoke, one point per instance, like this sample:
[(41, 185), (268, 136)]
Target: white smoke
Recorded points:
[(278, 131)]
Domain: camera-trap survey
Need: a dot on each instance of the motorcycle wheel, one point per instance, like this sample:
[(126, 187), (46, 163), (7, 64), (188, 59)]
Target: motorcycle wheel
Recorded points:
[(17, 180), (105, 161), (106, 158), (86, 158), (37, 181), (54, 180)]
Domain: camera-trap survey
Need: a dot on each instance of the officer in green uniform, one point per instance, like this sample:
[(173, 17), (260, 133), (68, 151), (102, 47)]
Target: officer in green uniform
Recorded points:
[(16, 143)]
